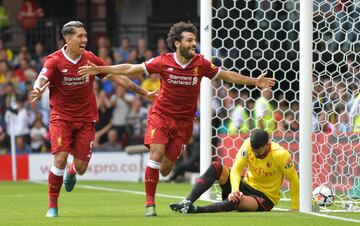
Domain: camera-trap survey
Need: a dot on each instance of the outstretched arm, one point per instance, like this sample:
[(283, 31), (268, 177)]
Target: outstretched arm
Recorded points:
[(39, 87), (233, 77), (128, 84), (119, 69)]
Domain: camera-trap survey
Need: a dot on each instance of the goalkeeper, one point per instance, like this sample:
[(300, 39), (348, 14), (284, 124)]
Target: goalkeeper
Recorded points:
[(259, 190)]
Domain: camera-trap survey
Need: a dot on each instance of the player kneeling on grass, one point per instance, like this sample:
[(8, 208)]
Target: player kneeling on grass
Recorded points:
[(267, 163)]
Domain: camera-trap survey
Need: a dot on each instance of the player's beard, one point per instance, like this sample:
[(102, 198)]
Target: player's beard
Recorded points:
[(185, 52)]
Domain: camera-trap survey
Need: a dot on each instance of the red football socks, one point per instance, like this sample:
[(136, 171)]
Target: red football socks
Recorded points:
[(54, 183), (151, 181)]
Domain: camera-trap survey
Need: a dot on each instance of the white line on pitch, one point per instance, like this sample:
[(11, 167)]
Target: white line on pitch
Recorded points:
[(181, 197)]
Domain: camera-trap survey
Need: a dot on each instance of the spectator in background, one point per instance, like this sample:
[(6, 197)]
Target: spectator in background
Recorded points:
[(121, 104), (21, 118), (343, 123), (22, 147), (112, 143), (5, 73), (103, 42), (37, 57), (38, 113), (121, 54), (4, 141), (141, 50), (151, 83), (321, 123), (279, 113), (105, 114), (23, 54), (4, 22), (8, 54), (8, 98), (149, 54), (240, 117), (103, 54), (25, 72), (264, 117), (38, 135), (137, 121), (160, 46)]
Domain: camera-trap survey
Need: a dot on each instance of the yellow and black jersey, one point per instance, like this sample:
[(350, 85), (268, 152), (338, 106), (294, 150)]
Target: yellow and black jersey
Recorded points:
[(267, 174)]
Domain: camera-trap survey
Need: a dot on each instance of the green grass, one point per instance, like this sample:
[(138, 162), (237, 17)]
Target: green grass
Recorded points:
[(25, 203)]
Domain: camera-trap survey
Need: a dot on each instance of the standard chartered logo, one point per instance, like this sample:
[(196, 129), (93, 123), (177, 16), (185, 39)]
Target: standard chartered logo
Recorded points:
[(182, 80), (74, 81)]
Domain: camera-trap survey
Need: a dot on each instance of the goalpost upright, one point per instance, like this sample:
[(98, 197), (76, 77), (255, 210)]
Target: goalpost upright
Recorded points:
[(205, 94), (305, 139)]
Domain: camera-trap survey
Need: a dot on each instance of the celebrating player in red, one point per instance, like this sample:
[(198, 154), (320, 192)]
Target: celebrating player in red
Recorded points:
[(170, 120), (73, 108)]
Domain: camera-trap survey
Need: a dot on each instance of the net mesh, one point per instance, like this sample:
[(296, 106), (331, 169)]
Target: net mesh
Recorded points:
[(255, 36)]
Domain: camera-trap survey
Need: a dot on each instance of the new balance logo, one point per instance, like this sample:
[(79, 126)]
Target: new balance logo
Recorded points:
[(170, 69), (64, 70)]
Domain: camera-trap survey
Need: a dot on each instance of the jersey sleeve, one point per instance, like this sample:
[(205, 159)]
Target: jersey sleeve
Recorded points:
[(239, 165), (96, 60), (153, 66), (286, 165), (48, 69), (210, 70)]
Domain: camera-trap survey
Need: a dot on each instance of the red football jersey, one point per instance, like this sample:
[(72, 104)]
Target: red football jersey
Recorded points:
[(72, 98), (180, 84)]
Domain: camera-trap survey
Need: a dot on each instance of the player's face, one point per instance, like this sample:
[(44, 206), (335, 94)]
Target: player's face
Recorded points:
[(77, 42), (262, 151), (187, 45)]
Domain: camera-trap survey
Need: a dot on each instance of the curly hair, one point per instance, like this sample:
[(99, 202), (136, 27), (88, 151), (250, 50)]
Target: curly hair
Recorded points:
[(175, 33)]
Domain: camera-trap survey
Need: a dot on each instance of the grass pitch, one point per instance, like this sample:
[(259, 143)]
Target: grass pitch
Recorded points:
[(120, 203)]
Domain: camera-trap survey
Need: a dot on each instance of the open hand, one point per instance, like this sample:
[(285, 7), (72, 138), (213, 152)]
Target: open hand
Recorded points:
[(264, 82), (36, 93), (88, 70)]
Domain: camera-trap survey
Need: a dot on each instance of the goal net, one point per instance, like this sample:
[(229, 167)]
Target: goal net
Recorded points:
[(252, 36)]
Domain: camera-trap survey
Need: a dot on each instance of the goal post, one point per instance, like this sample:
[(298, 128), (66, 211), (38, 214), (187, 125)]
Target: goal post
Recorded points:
[(305, 110), (205, 86), (315, 105)]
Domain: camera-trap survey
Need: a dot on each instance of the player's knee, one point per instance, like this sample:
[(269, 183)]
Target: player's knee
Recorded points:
[(60, 163), (165, 171), (156, 156), (80, 169)]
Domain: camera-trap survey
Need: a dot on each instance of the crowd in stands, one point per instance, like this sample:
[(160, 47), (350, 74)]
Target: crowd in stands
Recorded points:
[(122, 114)]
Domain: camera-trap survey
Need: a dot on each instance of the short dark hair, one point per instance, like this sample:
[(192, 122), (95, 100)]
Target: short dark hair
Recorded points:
[(258, 138), (69, 27), (175, 33)]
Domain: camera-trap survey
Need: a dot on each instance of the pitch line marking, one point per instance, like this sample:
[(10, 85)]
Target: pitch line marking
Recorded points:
[(91, 187)]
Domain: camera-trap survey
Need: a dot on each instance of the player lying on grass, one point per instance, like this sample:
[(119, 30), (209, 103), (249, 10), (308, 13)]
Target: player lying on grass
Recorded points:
[(259, 190)]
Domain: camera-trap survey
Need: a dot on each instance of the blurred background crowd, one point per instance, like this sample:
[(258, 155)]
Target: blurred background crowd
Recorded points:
[(336, 97)]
